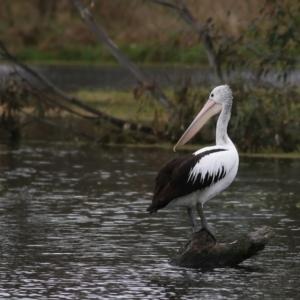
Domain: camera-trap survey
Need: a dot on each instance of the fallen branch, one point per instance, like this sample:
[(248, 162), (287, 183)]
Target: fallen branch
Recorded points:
[(72, 100), (202, 250), (146, 84), (50, 101), (60, 127)]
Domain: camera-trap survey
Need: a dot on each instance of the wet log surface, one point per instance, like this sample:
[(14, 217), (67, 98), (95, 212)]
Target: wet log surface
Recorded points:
[(202, 250)]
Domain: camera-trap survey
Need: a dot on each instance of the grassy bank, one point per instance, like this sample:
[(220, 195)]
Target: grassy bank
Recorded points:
[(146, 53), (243, 36), (124, 105), (263, 121)]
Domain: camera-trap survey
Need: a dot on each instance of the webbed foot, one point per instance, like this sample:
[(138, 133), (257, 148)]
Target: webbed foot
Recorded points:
[(197, 228), (211, 230)]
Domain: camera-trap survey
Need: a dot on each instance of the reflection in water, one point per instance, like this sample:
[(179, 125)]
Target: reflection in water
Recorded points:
[(73, 225)]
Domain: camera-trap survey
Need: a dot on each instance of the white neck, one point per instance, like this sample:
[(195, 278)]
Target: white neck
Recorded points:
[(221, 133)]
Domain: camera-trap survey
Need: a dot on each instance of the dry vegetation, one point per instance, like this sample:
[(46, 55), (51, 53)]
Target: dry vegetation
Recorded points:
[(248, 38), (55, 26)]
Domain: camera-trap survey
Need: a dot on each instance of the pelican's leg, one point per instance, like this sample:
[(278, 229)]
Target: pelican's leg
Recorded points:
[(205, 225), (196, 227)]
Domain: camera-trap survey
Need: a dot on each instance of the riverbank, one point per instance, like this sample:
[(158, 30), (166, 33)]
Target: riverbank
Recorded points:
[(166, 147), (140, 53), (263, 121), (265, 117)]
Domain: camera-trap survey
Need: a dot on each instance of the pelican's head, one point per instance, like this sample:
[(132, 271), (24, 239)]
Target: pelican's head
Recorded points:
[(221, 94), (219, 97)]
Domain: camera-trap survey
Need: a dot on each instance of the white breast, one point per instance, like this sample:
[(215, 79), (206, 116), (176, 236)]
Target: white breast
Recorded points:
[(211, 164)]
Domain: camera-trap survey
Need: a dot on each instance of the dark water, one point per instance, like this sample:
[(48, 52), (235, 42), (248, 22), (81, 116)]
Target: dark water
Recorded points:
[(73, 225), (72, 78)]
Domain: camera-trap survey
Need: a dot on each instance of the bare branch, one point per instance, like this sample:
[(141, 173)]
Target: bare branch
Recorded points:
[(123, 60), (165, 3), (201, 30), (44, 97), (72, 100), (60, 127)]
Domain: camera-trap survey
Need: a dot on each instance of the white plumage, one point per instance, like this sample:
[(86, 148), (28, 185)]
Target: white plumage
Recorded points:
[(195, 178)]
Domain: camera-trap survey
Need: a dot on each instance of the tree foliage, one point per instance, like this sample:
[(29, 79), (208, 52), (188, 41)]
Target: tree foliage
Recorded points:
[(258, 63), (269, 44)]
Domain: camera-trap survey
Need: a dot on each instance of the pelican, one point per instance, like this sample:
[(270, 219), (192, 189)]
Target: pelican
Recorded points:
[(193, 179)]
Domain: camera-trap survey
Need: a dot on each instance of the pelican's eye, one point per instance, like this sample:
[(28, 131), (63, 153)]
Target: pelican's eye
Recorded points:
[(212, 95)]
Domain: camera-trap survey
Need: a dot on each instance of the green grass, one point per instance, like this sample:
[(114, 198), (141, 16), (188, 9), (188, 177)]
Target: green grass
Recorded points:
[(256, 117), (138, 53), (122, 104)]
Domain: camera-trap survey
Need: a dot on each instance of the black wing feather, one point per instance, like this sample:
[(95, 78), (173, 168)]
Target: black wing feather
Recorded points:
[(172, 180)]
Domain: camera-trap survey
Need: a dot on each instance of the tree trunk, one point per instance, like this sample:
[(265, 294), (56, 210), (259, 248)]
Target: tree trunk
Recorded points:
[(202, 250), (145, 83)]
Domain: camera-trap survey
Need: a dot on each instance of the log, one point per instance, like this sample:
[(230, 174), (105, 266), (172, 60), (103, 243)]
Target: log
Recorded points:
[(202, 250)]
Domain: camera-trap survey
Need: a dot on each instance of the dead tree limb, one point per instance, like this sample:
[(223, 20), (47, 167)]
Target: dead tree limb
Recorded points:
[(122, 59), (202, 250), (60, 127), (50, 101), (74, 101), (201, 30)]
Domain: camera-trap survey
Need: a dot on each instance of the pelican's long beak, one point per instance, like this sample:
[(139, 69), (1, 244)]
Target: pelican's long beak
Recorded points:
[(210, 109)]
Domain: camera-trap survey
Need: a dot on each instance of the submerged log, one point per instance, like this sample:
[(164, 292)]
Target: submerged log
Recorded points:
[(202, 250)]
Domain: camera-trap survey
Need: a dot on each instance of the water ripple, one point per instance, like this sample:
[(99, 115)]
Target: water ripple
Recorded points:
[(74, 225)]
